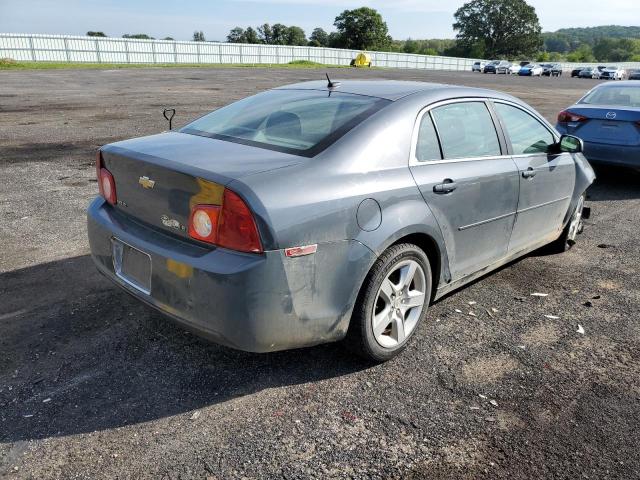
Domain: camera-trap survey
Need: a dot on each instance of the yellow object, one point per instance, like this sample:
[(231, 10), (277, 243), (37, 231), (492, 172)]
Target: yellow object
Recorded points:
[(181, 270), (362, 60), (209, 193)]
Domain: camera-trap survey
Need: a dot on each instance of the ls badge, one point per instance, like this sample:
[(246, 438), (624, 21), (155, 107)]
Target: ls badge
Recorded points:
[(146, 182), (172, 223)]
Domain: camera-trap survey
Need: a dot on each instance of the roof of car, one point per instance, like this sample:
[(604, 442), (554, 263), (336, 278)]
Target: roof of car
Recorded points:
[(387, 89), (624, 83)]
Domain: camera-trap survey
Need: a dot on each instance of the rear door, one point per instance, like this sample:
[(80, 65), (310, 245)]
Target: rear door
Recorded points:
[(468, 181), (546, 180)]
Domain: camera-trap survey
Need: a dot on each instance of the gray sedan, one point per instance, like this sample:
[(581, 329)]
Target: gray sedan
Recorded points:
[(320, 212)]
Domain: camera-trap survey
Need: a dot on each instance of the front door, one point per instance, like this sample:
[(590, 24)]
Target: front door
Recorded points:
[(546, 180), (467, 182)]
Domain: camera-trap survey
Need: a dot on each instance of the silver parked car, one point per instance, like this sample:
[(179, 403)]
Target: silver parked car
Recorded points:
[(478, 66), (318, 212)]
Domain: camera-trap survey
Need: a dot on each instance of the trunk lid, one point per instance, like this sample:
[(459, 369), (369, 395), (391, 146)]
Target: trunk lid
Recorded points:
[(607, 124), (159, 178)]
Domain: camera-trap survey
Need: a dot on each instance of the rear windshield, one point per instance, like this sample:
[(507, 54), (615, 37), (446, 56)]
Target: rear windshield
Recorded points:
[(302, 122), (622, 96)]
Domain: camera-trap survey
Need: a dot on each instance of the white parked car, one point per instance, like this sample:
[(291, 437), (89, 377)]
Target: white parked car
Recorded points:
[(531, 70), (478, 66), (612, 73), (514, 69)]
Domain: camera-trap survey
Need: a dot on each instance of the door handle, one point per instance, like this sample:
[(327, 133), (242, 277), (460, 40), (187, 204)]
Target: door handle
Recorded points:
[(447, 186), (529, 173)]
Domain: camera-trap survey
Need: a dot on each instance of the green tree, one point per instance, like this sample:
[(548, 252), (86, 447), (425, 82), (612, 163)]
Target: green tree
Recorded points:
[(319, 38), (543, 57), (507, 28), (236, 35), (411, 46), (555, 57), (251, 36), (265, 33), (95, 34), (335, 40), (142, 36), (198, 36), (581, 54), (279, 34), (295, 36), (362, 29), (554, 42), (168, 38), (603, 47)]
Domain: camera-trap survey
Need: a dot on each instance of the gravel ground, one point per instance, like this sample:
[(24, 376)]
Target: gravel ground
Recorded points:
[(95, 385)]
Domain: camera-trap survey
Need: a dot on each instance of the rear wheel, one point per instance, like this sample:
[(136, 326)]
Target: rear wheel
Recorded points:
[(392, 303), (571, 231)]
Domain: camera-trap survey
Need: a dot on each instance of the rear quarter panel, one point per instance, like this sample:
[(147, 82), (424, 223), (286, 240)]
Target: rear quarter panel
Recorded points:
[(318, 201)]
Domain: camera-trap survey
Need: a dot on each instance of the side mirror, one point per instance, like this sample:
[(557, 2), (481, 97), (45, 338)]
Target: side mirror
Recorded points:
[(571, 144)]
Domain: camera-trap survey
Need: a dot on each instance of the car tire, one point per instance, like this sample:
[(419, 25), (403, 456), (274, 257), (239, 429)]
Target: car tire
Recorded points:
[(575, 227), (378, 336)]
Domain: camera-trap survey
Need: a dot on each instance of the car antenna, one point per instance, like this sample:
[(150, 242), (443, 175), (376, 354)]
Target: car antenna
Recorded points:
[(331, 84), (172, 112)]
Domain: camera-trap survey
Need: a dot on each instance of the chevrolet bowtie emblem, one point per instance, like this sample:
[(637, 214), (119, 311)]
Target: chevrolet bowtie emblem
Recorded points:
[(146, 182)]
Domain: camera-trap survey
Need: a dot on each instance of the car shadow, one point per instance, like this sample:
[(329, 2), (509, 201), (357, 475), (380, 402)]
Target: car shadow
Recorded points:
[(79, 355), (614, 183)]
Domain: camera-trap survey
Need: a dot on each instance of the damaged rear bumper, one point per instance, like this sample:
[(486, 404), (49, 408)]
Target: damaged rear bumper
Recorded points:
[(252, 302)]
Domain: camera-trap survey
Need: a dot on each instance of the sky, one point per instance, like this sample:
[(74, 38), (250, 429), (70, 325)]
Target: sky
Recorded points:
[(179, 18)]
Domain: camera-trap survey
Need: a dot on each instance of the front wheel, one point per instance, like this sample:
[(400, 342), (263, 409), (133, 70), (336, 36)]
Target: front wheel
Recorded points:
[(392, 303), (572, 230)]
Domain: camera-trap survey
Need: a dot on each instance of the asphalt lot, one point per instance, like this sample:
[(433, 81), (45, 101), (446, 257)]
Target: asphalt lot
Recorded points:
[(95, 385)]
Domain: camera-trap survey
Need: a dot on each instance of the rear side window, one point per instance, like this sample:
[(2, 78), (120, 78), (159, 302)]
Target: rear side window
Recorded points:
[(466, 130), (527, 134), (427, 147), (302, 122)]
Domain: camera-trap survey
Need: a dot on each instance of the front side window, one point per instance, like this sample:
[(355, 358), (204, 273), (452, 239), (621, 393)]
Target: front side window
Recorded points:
[(466, 130), (527, 134), (302, 122)]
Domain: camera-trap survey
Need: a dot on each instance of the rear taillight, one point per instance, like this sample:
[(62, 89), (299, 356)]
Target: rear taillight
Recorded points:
[(106, 183), (567, 116), (203, 223), (230, 225)]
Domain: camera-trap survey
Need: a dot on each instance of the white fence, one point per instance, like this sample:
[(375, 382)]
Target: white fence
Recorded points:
[(66, 48)]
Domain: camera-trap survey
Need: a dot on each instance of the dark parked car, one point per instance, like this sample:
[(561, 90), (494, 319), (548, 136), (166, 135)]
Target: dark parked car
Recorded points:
[(575, 72), (552, 70), (318, 212), (634, 75), (607, 119), (589, 72), (490, 66), (497, 67)]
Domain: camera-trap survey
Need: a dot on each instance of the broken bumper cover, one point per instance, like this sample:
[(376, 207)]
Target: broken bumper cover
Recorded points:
[(252, 302)]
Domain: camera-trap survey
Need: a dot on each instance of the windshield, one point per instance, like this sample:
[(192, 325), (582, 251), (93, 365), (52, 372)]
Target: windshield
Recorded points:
[(302, 122), (622, 96)]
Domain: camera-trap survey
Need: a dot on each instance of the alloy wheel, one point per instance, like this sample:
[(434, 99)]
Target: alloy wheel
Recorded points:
[(399, 303), (576, 226)]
